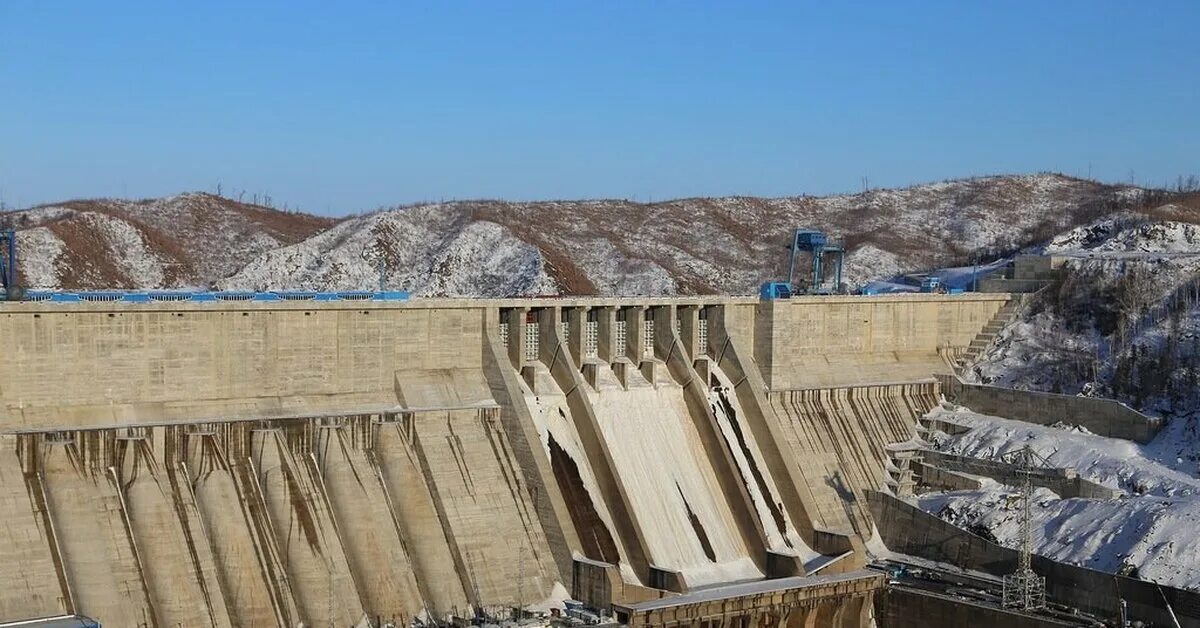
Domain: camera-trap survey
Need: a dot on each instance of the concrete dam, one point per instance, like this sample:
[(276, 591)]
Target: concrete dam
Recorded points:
[(666, 460)]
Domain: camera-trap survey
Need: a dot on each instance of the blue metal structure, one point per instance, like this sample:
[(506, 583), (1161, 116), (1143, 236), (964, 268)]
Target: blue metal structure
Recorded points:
[(817, 245), (775, 290), (932, 283), (109, 296), (8, 264)]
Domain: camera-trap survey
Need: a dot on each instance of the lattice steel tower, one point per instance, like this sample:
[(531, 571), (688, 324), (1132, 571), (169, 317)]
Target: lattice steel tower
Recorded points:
[(1024, 589)]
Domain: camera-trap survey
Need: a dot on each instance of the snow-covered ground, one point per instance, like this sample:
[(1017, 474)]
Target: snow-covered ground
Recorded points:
[(1168, 466), (1149, 532), (428, 250), (1124, 323)]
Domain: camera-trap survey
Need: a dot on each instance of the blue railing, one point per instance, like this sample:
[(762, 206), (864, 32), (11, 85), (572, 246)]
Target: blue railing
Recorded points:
[(113, 296)]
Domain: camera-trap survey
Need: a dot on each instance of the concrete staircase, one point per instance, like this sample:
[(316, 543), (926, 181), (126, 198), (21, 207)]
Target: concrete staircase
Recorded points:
[(900, 466), (986, 336)]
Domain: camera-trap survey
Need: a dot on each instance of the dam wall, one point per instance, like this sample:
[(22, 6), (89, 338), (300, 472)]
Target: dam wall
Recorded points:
[(244, 463), (824, 342), (1106, 417)]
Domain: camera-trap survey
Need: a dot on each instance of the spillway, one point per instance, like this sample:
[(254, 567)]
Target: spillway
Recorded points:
[(573, 473), (780, 531), (674, 491)]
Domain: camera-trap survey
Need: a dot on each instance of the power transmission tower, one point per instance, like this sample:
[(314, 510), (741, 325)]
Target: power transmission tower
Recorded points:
[(1024, 589)]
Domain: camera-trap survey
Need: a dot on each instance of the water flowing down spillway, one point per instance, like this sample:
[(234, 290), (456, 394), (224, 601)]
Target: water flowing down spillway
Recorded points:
[(674, 492), (780, 531)]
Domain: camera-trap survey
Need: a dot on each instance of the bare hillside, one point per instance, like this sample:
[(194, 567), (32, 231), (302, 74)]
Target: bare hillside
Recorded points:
[(190, 240), (686, 246), (497, 248)]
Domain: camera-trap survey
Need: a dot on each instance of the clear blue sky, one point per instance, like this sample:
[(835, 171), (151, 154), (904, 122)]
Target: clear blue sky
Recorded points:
[(344, 106)]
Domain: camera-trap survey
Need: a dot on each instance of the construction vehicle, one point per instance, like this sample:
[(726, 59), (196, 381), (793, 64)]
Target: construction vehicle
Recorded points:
[(817, 245)]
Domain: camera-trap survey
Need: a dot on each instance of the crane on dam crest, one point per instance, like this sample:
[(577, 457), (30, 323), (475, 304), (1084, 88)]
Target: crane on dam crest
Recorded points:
[(815, 245)]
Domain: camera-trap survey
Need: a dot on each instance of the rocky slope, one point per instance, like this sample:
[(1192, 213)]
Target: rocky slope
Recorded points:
[(1122, 322)]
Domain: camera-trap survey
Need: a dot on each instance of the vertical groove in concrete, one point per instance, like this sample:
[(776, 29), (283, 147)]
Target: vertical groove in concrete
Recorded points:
[(175, 580), (846, 430), (420, 523), (251, 576), (100, 561), (304, 530), (32, 584), (376, 554)]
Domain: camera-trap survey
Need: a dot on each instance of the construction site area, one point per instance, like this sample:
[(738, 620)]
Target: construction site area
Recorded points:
[(365, 459)]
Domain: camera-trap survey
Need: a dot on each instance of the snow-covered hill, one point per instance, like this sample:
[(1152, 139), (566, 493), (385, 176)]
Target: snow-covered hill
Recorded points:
[(611, 247), (1124, 321), (428, 250), (189, 240)]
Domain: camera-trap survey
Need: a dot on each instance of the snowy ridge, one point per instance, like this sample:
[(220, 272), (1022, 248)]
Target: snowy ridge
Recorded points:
[(185, 241), (429, 250), (608, 247)]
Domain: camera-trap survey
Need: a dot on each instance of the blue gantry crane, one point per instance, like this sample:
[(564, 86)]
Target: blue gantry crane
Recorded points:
[(816, 245)]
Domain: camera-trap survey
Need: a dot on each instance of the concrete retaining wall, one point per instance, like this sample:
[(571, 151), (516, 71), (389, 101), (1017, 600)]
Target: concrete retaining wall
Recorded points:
[(907, 608), (907, 529), (1100, 416), (1065, 482), (947, 480)]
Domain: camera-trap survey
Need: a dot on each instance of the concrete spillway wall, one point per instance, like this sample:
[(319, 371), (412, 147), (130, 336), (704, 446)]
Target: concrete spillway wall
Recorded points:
[(248, 464), (842, 434)]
